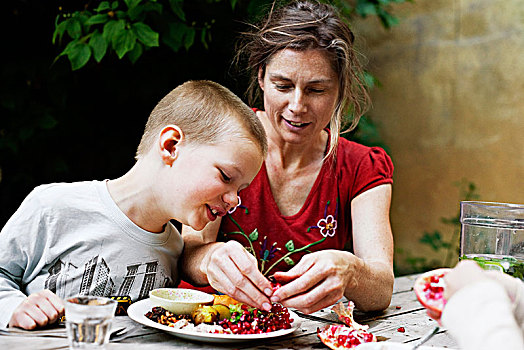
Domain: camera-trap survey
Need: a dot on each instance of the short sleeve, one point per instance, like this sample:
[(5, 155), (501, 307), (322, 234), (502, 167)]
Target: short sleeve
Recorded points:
[(374, 169)]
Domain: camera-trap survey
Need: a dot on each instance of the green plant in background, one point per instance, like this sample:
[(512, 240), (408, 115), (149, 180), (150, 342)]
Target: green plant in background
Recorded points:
[(435, 239), (124, 27), (366, 132), (130, 27), (364, 8)]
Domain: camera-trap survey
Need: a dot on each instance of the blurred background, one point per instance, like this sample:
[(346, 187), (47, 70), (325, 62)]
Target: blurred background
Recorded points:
[(79, 79)]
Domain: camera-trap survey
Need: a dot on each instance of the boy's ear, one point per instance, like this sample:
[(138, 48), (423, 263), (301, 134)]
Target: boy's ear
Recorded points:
[(170, 137), (261, 72)]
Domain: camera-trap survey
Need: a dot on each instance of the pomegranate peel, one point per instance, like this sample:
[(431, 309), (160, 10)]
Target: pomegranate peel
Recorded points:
[(348, 336)]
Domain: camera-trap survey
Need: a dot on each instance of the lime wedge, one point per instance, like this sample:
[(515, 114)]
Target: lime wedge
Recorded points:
[(492, 266)]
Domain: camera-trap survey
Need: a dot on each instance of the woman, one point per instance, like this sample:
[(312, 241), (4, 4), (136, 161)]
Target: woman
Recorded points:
[(315, 193)]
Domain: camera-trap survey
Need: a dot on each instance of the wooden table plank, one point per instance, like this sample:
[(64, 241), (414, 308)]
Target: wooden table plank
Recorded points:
[(404, 283)]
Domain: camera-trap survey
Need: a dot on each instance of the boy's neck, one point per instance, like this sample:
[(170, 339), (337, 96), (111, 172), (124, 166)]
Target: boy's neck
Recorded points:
[(134, 196)]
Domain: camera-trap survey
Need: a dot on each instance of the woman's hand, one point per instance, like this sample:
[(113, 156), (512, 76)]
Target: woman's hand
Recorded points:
[(317, 281), (37, 310), (230, 269)]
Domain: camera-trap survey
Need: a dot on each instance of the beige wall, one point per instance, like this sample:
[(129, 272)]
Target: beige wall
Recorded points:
[(451, 106)]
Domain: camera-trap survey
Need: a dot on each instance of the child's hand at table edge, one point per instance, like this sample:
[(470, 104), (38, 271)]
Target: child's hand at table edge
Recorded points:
[(37, 310)]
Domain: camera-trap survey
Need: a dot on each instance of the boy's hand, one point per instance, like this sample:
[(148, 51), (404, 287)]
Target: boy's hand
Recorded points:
[(37, 310)]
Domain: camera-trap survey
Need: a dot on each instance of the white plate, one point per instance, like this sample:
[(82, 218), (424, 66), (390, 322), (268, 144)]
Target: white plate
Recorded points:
[(137, 311), (386, 345)]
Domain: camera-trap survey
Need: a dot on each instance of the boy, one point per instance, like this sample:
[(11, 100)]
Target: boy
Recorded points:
[(200, 147)]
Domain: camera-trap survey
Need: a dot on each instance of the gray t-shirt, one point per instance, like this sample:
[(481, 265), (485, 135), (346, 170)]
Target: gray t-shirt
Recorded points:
[(72, 239)]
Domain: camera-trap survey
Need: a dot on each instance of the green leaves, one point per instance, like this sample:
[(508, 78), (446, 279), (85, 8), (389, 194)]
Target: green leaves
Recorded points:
[(434, 240), (74, 28), (179, 35), (128, 28), (111, 27), (176, 7), (98, 45), (78, 53), (97, 19), (123, 42), (104, 6), (145, 34), (135, 54), (380, 8)]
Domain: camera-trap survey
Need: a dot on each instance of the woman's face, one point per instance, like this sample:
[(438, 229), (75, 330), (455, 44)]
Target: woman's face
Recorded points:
[(300, 94)]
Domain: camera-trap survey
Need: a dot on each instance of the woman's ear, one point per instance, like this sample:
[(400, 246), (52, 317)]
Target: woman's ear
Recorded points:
[(169, 139), (261, 72)]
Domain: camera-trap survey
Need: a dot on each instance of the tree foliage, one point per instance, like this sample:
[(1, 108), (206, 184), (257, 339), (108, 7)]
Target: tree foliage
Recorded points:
[(127, 28)]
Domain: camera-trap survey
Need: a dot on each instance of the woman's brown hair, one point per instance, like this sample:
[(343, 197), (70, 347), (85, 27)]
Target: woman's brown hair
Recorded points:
[(309, 25)]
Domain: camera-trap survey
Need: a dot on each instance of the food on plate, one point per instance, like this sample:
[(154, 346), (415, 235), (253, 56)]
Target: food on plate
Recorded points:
[(223, 311), (205, 314), (429, 289), (237, 318), (248, 320), (348, 336), (222, 299), (160, 315)]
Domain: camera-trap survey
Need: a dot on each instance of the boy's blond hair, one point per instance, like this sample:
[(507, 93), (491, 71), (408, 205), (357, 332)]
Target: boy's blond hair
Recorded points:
[(206, 112)]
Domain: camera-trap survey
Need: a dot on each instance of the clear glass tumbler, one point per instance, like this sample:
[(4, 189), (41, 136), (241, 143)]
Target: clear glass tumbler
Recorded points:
[(88, 321), (492, 234)]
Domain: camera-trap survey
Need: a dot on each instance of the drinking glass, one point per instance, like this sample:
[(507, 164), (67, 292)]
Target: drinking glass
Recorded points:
[(492, 234), (88, 321)]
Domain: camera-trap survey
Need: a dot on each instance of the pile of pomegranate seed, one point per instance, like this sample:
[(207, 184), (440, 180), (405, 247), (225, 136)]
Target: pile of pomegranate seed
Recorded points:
[(247, 320), (434, 289)]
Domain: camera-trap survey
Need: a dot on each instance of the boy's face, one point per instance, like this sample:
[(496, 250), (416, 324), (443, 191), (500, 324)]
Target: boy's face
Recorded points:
[(207, 179)]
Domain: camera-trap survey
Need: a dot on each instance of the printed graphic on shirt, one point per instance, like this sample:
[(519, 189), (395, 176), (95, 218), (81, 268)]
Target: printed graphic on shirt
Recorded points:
[(327, 225), (98, 279)]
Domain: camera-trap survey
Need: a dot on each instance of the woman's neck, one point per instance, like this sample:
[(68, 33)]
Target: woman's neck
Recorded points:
[(297, 156)]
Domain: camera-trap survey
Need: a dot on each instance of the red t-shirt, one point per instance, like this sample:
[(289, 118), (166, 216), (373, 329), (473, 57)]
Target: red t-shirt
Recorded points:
[(324, 221)]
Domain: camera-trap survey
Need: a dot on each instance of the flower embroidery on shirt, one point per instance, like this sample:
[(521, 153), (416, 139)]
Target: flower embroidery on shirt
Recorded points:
[(232, 210), (266, 254), (327, 226)]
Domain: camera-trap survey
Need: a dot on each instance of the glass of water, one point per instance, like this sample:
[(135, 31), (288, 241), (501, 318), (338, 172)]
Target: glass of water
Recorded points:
[(88, 321), (492, 234)]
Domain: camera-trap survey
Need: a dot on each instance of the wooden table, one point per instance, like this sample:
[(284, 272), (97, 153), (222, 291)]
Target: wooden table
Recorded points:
[(405, 311)]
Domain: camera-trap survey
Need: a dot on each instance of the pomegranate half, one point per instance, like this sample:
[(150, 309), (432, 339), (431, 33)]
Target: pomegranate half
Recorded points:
[(429, 289)]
